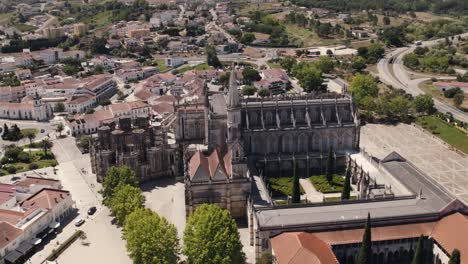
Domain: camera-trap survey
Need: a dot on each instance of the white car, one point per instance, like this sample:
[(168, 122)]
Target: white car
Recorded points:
[(79, 222)]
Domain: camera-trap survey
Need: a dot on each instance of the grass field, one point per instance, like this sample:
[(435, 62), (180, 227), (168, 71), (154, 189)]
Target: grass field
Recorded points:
[(321, 184), (307, 37), (24, 27), (446, 132), (37, 158), (282, 186), (162, 66)]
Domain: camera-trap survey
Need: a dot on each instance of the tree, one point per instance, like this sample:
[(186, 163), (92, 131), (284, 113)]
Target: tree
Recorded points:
[(263, 92), (386, 20), (250, 75), (458, 99), (418, 257), (410, 60), (6, 132), (330, 165), (288, 63), (359, 64), (211, 236), (59, 107), (455, 257), (212, 57), (423, 103), (325, 64), (296, 188), (363, 85), (114, 177), (150, 238), (247, 38), (346, 192), (365, 252), (125, 200), (31, 135), (309, 76), (374, 53), (60, 127), (46, 144), (249, 90)]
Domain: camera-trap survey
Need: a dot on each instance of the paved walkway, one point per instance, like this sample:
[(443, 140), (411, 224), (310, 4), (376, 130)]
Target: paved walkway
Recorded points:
[(311, 194), (425, 151)]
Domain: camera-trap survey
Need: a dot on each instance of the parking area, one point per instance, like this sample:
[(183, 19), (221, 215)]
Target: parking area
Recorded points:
[(425, 151)]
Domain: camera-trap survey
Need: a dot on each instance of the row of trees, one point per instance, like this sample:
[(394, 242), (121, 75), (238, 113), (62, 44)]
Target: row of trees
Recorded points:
[(419, 257), (437, 59), (11, 134), (392, 104), (210, 236)]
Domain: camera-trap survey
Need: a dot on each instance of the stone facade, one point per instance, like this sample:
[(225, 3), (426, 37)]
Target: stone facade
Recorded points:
[(261, 136), (142, 147)]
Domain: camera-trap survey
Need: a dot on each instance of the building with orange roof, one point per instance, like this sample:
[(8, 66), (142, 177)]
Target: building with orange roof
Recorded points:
[(390, 244)]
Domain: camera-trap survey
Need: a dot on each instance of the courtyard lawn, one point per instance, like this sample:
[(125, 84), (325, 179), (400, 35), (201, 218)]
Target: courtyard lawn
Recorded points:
[(338, 199), (281, 186), (321, 184), (28, 130), (446, 132)]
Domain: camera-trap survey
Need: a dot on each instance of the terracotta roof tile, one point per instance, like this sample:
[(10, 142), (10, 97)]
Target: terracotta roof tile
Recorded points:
[(301, 247), (8, 234), (45, 198)]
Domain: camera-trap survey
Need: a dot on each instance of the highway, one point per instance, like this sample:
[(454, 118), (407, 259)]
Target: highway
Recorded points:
[(398, 76)]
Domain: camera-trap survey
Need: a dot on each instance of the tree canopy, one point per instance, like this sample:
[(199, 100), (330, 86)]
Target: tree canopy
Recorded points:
[(365, 252), (150, 238), (211, 237), (455, 257), (124, 201), (309, 76), (250, 75), (212, 57), (423, 103), (114, 177), (363, 85)]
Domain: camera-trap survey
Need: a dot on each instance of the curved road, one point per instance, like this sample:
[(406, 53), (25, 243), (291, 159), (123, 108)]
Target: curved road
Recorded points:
[(398, 76)]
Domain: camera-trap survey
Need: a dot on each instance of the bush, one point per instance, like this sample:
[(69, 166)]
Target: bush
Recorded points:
[(11, 169), (24, 157), (33, 166), (450, 93)]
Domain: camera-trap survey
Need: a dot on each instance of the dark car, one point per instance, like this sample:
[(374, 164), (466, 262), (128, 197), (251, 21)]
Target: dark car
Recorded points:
[(92, 210)]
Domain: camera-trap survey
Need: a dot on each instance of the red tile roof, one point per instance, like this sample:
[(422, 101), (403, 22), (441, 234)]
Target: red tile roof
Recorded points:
[(300, 248), (45, 198), (29, 180), (209, 164), (8, 234)]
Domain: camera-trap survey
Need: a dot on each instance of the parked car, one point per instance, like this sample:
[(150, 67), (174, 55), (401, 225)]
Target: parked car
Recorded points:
[(79, 221), (92, 210)]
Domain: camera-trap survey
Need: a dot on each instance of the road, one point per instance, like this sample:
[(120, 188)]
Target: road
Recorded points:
[(398, 76)]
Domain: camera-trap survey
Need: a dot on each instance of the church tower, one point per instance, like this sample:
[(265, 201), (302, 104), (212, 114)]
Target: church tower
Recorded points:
[(42, 111), (233, 109), (234, 137)]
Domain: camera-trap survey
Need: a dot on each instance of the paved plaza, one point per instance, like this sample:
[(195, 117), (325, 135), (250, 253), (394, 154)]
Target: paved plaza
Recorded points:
[(425, 151)]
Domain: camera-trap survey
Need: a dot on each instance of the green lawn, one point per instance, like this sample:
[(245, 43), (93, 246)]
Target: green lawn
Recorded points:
[(37, 158), (199, 67), (281, 186), (24, 27), (321, 184), (161, 66), (274, 65), (337, 199), (27, 130), (446, 132)]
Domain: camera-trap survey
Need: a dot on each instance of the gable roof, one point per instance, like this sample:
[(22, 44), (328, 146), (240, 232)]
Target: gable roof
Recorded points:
[(209, 165), (45, 198), (302, 247), (9, 233)]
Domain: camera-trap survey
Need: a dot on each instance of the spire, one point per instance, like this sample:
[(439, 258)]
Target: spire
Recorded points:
[(233, 93)]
